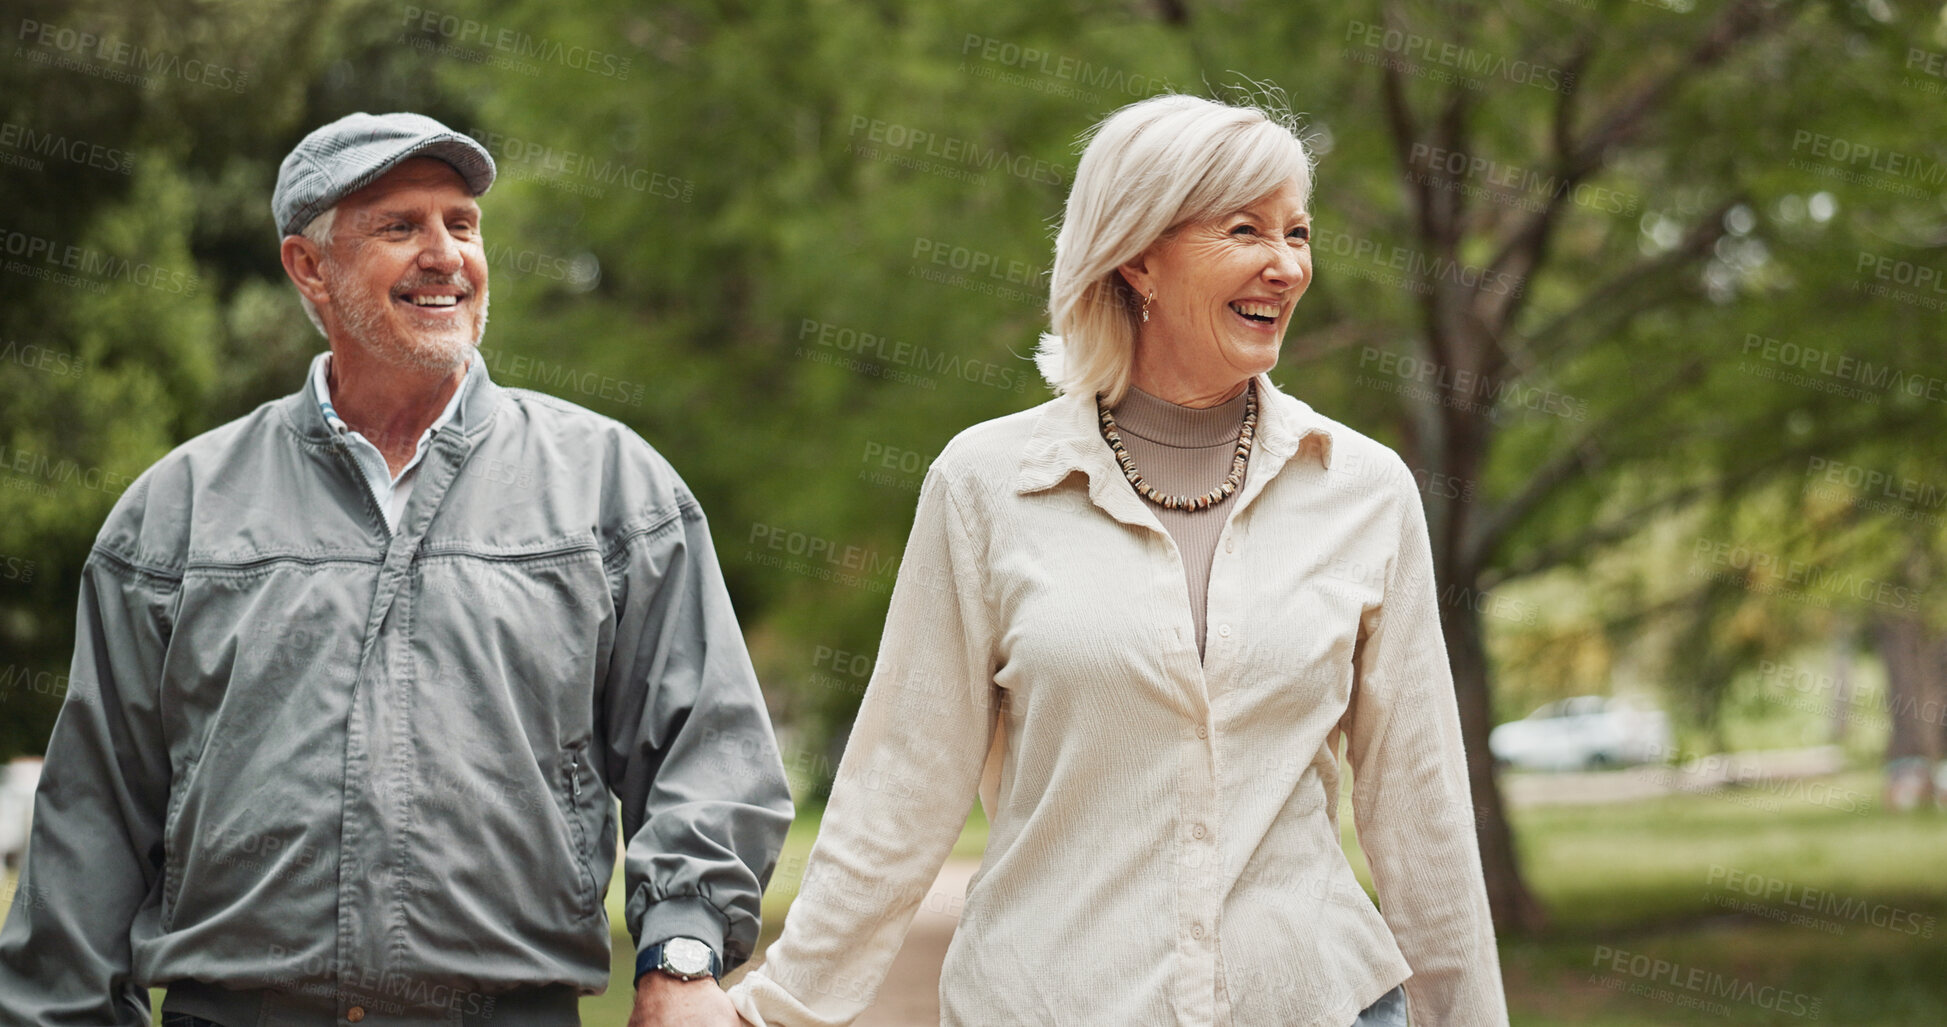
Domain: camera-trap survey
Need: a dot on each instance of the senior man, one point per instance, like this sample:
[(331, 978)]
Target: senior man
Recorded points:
[(357, 674)]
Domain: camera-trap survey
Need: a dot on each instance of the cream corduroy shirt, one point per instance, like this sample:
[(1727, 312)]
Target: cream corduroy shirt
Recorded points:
[(1164, 845)]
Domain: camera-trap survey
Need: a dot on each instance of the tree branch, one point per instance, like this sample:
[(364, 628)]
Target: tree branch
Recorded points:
[(1741, 22), (1632, 522), (1701, 237), (1495, 524), (1419, 188), (1521, 252)]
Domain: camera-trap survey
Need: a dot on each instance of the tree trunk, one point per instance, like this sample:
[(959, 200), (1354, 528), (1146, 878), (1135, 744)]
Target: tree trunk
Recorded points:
[(1915, 690), (1457, 444), (1466, 329), (1916, 671), (1840, 714), (1916, 697), (1515, 909)]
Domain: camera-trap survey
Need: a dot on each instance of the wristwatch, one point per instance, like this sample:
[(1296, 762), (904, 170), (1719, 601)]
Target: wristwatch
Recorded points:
[(686, 959)]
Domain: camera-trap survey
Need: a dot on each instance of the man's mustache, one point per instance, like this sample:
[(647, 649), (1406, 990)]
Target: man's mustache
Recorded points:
[(428, 281)]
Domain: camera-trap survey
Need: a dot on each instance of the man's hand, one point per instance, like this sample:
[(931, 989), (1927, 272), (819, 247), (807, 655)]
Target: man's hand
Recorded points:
[(664, 1001)]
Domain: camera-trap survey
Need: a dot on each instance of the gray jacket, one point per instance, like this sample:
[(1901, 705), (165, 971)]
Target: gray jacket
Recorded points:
[(299, 753)]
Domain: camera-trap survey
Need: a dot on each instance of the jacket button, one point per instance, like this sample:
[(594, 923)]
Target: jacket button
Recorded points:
[(1198, 832), (355, 1014), (1230, 545), (1224, 630), (1196, 931), (1202, 732)]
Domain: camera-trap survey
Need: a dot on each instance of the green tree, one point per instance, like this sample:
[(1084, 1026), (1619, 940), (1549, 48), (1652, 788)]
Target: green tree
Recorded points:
[(799, 245)]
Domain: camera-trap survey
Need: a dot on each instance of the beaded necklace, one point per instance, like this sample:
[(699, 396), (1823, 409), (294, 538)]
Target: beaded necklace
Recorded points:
[(1245, 439)]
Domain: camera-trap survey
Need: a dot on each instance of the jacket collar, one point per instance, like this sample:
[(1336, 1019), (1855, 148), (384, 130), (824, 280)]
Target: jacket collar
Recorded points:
[(1068, 438), (477, 400)]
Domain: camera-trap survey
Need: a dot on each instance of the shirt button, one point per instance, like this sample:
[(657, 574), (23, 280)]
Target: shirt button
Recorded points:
[(1202, 732), (355, 1014), (1198, 832), (1224, 630), (1196, 931), (1230, 545)]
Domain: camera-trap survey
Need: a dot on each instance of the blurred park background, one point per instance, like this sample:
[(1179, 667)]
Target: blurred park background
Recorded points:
[(1649, 294)]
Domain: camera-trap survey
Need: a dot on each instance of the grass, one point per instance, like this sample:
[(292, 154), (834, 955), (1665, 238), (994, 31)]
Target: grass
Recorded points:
[(1813, 891), (1658, 879)]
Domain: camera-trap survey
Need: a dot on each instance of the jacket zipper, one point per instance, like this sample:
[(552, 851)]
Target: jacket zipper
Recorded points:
[(344, 451), (583, 874)]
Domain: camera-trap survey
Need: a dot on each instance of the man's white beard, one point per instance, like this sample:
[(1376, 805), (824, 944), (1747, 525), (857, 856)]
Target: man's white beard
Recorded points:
[(361, 315)]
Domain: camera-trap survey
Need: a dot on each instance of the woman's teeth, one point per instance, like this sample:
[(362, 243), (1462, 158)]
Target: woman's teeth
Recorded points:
[(1257, 311)]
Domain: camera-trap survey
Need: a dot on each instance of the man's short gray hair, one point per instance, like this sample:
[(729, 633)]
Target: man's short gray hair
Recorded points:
[(319, 231), (1148, 169)]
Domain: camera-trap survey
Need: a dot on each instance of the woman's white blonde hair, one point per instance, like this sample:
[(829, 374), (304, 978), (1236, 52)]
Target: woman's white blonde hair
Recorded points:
[(1147, 170)]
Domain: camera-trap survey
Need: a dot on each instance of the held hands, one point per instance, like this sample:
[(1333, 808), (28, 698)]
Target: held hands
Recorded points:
[(664, 1001)]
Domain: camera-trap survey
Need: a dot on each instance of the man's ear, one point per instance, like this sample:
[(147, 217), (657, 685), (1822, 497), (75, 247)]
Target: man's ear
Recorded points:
[(302, 262)]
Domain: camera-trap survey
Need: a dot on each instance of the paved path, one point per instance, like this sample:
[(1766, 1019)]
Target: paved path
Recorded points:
[(911, 995), (1705, 774)]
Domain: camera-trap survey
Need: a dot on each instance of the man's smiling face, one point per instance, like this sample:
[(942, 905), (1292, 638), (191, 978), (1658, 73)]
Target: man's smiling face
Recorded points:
[(406, 268)]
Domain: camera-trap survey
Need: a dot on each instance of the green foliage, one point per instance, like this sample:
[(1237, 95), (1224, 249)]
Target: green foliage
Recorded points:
[(779, 239)]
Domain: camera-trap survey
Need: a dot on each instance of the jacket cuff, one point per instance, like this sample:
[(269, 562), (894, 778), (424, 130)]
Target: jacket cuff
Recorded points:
[(680, 916)]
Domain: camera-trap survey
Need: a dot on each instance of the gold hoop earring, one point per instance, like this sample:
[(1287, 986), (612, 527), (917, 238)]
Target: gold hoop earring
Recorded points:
[(1146, 302)]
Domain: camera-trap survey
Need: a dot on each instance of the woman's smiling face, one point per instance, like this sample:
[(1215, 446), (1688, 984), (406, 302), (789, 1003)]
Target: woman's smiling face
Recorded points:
[(1224, 290)]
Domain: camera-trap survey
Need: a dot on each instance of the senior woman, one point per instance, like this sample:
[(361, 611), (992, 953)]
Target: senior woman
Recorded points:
[(1139, 621)]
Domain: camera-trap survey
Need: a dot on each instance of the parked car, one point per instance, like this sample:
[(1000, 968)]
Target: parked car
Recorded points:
[(1588, 731)]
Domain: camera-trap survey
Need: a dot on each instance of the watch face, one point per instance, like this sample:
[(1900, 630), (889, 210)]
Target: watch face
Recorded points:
[(687, 956)]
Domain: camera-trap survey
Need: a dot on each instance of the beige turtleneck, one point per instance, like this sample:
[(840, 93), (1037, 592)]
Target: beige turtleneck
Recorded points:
[(1185, 451)]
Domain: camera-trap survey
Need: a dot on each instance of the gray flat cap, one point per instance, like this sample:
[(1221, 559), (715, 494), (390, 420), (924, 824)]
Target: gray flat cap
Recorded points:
[(352, 152)]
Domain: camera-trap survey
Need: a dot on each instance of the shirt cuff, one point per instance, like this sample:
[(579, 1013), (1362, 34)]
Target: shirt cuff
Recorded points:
[(680, 916)]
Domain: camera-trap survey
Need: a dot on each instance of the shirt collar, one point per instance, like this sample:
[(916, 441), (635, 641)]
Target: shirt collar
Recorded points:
[(1068, 437), (321, 390)]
